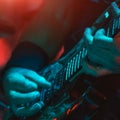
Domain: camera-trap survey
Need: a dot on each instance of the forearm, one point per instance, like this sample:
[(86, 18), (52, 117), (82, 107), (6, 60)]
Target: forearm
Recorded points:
[(20, 77)]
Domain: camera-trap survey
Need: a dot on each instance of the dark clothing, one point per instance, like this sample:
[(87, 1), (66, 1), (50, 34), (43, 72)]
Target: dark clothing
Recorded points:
[(28, 55)]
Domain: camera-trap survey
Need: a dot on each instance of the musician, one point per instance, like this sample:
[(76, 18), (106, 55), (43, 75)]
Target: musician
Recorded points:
[(14, 16), (36, 40)]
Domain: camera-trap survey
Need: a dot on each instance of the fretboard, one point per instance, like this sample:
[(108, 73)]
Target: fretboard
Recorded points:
[(69, 67), (63, 73)]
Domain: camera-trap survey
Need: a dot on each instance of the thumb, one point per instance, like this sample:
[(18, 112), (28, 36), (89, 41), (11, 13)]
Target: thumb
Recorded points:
[(88, 35)]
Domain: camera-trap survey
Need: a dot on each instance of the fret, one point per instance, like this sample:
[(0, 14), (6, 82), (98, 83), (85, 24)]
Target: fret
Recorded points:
[(71, 67), (84, 53), (113, 27), (67, 71), (115, 23), (80, 57), (75, 61), (74, 64), (108, 31)]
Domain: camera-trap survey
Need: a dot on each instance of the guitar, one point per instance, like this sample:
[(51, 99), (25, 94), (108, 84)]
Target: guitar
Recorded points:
[(63, 73)]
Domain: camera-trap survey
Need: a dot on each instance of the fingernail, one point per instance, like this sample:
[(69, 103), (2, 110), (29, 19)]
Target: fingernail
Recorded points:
[(34, 86), (37, 94), (38, 105), (49, 84), (41, 103)]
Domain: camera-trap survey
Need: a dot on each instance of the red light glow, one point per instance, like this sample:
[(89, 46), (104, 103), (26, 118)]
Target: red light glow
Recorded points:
[(5, 52)]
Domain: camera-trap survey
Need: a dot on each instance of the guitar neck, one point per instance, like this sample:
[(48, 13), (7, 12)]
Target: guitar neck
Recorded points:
[(63, 73), (109, 20), (73, 61)]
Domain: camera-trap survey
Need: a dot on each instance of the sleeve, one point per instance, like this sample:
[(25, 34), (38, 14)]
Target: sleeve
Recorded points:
[(28, 55)]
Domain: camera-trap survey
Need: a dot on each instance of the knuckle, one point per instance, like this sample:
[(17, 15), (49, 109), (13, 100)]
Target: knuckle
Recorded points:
[(36, 107), (26, 84), (33, 73), (12, 95), (9, 77), (30, 72)]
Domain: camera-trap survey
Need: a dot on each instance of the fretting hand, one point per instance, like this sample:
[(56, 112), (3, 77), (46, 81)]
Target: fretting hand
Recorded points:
[(101, 52)]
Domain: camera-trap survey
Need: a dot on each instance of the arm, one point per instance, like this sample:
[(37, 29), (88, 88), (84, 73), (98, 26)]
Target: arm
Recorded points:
[(21, 83)]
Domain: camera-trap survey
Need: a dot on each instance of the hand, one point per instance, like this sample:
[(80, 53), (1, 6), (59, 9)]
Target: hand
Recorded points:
[(101, 52), (21, 88), (99, 36)]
